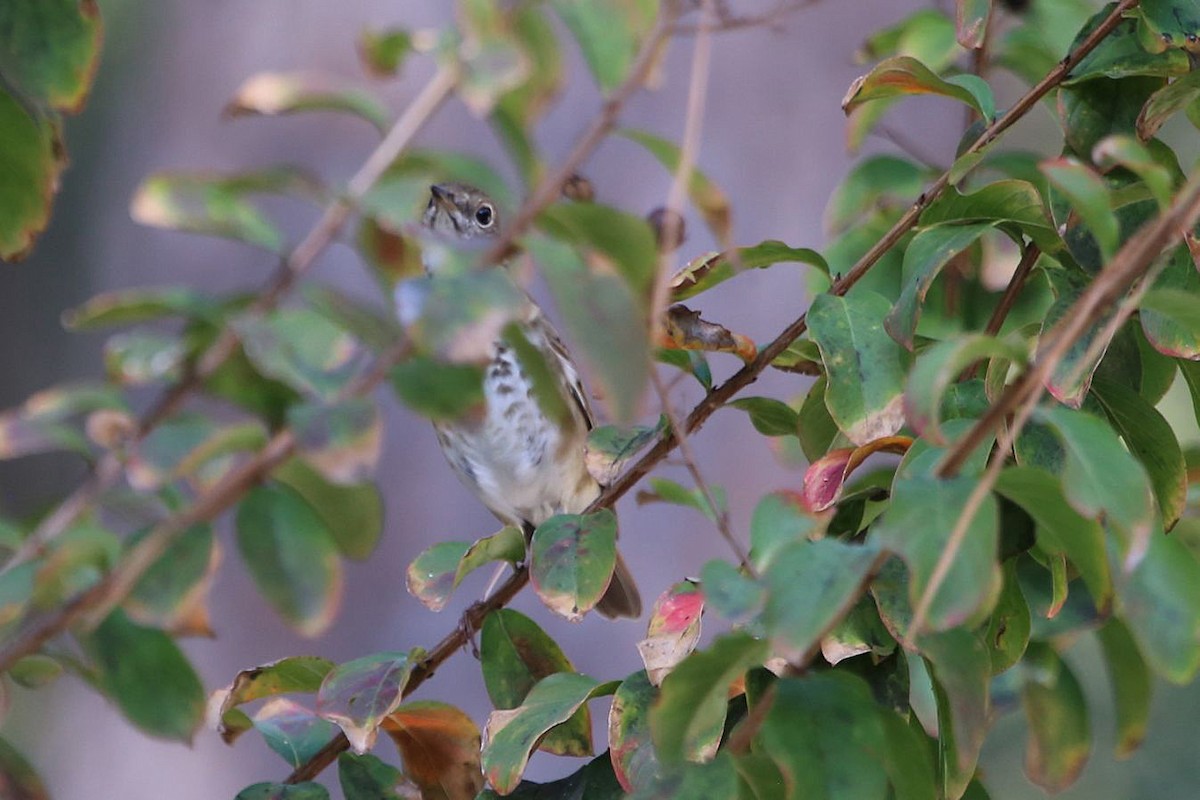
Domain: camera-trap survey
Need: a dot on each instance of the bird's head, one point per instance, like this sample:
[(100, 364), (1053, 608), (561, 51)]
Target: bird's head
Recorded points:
[(461, 211)]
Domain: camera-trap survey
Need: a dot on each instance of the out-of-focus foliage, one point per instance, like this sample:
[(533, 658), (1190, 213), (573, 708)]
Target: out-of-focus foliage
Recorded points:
[(879, 619)]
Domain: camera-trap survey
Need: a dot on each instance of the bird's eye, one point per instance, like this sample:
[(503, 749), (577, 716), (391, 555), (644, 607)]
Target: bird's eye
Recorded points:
[(484, 215)]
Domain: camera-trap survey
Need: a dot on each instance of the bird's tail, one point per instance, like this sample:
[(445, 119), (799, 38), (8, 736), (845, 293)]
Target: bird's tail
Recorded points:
[(621, 599)]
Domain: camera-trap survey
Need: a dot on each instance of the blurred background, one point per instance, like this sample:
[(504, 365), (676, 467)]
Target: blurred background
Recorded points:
[(773, 139)]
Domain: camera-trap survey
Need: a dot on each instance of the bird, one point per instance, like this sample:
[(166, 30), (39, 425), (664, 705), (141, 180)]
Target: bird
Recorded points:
[(523, 465)]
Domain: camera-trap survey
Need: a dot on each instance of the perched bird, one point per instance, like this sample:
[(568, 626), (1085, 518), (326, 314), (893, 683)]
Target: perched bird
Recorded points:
[(524, 466)]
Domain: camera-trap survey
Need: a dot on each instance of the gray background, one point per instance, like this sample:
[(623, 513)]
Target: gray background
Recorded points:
[(773, 139)]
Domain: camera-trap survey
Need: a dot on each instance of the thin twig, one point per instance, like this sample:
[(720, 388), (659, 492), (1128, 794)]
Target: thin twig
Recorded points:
[(109, 470), (689, 148), (720, 515), (724, 21), (1016, 283)]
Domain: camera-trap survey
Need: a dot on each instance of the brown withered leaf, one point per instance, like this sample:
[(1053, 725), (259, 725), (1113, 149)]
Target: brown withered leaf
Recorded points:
[(683, 329), (440, 747)]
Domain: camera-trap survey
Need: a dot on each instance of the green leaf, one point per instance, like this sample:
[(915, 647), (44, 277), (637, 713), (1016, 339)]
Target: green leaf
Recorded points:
[(971, 22), (1101, 479), (341, 440), (917, 526), (172, 593), (908, 759), (688, 719), (288, 675), (217, 205), (810, 586), (147, 676), (515, 654), (904, 75), (880, 181), (865, 367), (817, 429), (769, 416), (301, 348), (36, 671), (1160, 603), (128, 306), (1132, 685), (625, 240), (30, 164), (275, 93), (1097, 108), (49, 50), (353, 514), (1059, 734), (1072, 375), (513, 733), (284, 791), (605, 320), (593, 781), (1122, 55), (1089, 197), (1164, 24), (824, 733), (728, 592), (366, 777), (137, 358), (1168, 315), (705, 195), (433, 576), (634, 761), (937, 369), (706, 271), (292, 557), (668, 491), (438, 390), (292, 731), (357, 695), (608, 33), (1128, 152), (1008, 629), (489, 59), (571, 561), (383, 52), (610, 448), (1149, 437), (779, 520), (1014, 206), (959, 665), (927, 253), (1061, 530), (1166, 102)]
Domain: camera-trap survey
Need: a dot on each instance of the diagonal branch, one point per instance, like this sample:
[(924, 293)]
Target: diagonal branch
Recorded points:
[(296, 264)]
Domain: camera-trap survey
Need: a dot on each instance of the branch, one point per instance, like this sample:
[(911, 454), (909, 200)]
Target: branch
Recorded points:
[(297, 263)]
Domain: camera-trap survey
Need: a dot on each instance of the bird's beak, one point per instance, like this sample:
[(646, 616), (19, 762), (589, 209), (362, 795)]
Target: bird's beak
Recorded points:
[(443, 197)]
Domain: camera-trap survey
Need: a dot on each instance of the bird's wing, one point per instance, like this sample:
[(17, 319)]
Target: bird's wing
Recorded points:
[(557, 349)]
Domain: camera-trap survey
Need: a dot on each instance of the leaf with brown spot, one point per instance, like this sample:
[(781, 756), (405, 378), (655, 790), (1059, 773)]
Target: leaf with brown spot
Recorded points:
[(685, 330), (358, 695), (275, 93)]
